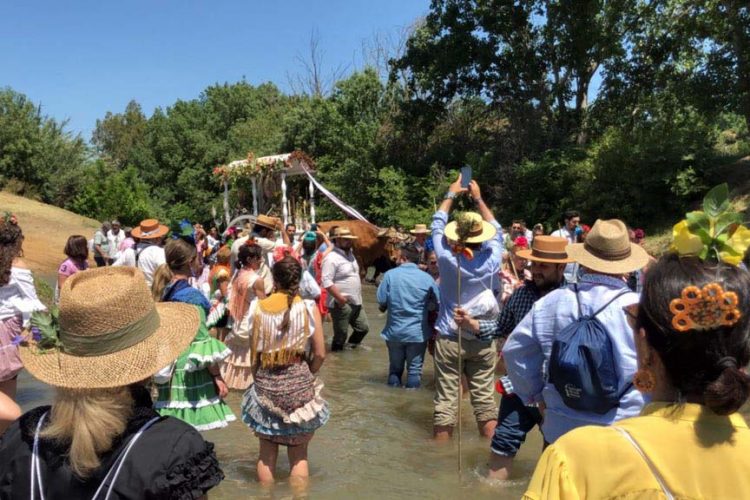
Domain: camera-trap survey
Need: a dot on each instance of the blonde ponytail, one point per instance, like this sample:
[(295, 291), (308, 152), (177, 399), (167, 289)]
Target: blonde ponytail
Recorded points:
[(162, 277), (89, 420)]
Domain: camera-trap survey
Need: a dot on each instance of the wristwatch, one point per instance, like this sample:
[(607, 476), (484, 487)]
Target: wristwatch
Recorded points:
[(450, 195)]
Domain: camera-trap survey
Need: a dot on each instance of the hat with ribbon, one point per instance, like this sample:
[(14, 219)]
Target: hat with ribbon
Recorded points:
[(478, 231), (343, 233), (420, 229), (608, 249), (549, 249), (109, 332), (149, 229)]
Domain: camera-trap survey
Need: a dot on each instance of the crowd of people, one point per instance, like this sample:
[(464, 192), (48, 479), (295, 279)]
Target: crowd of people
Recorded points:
[(627, 364)]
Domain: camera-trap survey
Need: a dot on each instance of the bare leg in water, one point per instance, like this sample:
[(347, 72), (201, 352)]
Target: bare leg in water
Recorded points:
[(499, 467), (298, 468), (269, 452), (487, 428), (9, 410)]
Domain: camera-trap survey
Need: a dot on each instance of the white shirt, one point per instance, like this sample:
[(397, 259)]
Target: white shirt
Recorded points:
[(341, 269), (126, 258), (149, 259), (19, 297), (114, 243)]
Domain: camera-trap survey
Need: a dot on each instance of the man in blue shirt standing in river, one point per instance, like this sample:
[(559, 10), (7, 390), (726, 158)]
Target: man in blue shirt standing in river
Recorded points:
[(408, 294), (479, 279)]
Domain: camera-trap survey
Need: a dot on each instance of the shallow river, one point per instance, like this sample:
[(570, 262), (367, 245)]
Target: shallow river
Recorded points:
[(376, 444)]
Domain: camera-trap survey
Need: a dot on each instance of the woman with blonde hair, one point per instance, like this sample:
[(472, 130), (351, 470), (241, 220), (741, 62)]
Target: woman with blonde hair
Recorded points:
[(192, 388), (246, 286), (18, 300), (284, 405), (101, 437)]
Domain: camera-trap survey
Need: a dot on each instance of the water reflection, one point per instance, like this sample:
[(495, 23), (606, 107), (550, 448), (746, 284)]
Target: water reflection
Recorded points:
[(376, 444)]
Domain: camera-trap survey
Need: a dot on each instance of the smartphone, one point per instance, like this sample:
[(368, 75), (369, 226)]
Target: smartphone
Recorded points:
[(465, 176)]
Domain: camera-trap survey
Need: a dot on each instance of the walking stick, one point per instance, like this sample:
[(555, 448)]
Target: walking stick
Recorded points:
[(460, 366)]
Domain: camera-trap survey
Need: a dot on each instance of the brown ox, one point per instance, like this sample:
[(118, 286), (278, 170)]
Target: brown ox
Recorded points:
[(373, 247)]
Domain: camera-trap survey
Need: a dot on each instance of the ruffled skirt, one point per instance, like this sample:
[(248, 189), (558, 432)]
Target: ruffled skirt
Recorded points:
[(236, 369), (191, 394), (284, 404), (10, 360)]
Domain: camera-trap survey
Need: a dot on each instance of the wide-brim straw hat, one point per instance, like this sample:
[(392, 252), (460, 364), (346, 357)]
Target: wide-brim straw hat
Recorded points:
[(343, 233), (266, 221), (149, 229), (607, 249), (481, 230), (550, 249), (111, 332), (420, 229)]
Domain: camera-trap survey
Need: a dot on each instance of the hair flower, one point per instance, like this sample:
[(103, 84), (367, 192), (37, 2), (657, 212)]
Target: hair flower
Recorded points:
[(684, 242), (733, 250)]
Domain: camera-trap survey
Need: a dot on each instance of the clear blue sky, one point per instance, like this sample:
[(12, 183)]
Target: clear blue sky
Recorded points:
[(80, 59)]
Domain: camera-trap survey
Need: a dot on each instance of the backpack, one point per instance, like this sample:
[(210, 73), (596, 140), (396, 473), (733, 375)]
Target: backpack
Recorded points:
[(582, 365)]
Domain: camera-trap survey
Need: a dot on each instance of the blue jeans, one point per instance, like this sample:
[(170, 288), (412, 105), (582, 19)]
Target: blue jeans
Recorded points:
[(409, 354), (514, 421)]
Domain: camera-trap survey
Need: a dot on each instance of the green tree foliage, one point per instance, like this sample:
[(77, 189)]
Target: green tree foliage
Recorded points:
[(36, 151)]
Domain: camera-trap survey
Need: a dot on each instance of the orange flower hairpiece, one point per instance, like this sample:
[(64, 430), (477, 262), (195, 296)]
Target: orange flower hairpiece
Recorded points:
[(704, 309), (463, 250)]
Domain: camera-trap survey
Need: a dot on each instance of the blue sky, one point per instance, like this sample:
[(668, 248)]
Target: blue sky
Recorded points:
[(80, 59)]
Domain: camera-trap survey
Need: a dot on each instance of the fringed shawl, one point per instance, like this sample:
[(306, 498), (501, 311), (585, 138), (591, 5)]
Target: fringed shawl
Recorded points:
[(238, 298), (276, 346)]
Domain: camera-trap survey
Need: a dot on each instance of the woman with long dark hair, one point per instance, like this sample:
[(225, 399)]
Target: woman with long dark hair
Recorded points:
[(284, 405)]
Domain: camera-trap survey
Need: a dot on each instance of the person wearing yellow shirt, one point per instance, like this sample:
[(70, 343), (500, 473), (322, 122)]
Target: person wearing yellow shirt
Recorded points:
[(691, 333)]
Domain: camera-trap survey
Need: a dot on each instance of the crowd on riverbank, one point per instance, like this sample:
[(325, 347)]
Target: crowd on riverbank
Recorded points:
[(628, 364)]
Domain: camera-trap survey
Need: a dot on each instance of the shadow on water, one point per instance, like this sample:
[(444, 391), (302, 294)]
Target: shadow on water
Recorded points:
[(376, 444)]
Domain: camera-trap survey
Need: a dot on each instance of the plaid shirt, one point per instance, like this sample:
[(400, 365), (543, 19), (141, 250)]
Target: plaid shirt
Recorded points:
[(519, 304)]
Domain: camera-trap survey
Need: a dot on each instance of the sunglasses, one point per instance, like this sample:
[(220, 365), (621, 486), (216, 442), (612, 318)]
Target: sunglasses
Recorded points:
[(631, 314)]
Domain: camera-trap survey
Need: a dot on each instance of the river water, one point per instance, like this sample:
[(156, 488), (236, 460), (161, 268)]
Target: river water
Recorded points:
[(376, 444)]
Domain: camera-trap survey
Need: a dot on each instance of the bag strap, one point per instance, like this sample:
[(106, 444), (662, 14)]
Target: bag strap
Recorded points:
[(651, 466), (622, 293), (578, 300)]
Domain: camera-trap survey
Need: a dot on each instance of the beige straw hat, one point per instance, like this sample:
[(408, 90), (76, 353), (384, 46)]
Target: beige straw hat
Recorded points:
[(111, 332), (607, 249), (481, 230), (420, 229), (549, 249), (267, 221), (344, 233)]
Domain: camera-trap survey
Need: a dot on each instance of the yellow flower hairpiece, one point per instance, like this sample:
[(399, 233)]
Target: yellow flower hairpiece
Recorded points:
[(704, 309), (716, 233)]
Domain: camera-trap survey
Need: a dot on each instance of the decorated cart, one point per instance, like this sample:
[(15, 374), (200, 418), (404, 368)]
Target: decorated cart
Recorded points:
[(268, 176)]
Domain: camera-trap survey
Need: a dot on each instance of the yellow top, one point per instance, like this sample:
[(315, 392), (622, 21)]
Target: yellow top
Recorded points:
[(697, 453)]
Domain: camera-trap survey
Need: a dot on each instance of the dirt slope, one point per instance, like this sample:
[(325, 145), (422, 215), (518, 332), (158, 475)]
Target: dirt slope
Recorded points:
[(46, 229)]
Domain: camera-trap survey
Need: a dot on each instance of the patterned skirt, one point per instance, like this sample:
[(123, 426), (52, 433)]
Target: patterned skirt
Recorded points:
[(10, 360), (284, 404)]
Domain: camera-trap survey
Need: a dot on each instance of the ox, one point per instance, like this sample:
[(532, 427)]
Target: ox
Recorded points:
[(373, 247)]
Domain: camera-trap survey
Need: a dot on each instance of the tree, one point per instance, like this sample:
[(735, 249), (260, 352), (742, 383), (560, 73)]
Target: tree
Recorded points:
[(117, 135)]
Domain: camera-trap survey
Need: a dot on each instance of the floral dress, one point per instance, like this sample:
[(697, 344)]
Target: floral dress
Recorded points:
[(190, 394), (237, 368)]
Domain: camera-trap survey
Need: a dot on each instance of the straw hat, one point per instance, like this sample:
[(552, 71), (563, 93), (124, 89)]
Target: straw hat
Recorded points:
[(267, 221), (546, 249), (343, 233), (111, 332), (149, 229), (481, 230), (420, 229), (607, 249)]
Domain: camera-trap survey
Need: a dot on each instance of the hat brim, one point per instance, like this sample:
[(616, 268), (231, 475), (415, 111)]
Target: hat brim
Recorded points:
[(527, 254), (637, 260), (488, 232), (178, 326), (161, 231), (347, 237), (424, 231)]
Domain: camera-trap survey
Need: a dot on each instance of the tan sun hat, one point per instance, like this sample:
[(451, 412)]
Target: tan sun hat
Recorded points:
[(607, 249), (481, 230), (420, 229), (267, 221), (549, 249), (111, 332), (149, 229), (344, 233)]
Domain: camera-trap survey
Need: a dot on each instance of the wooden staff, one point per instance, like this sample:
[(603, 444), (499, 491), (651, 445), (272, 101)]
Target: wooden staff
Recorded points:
[(460, 365)]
